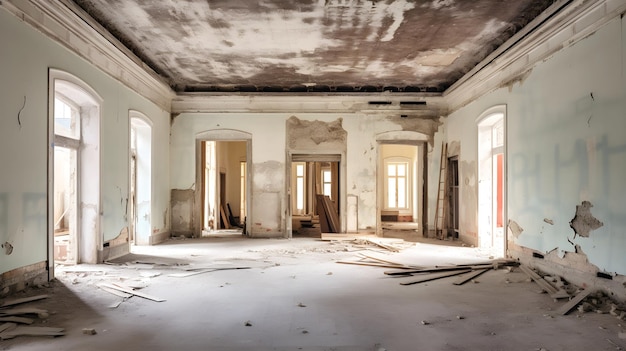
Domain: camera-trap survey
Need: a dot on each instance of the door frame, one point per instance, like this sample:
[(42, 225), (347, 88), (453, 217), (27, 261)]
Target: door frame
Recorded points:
[(220, 135), (485, 213)]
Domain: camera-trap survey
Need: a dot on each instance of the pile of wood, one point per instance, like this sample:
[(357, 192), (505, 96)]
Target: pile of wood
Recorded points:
[(17, 321), (418, 274), (587, 300)]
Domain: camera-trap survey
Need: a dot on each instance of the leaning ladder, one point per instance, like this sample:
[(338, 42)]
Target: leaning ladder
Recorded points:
[(440, 213)]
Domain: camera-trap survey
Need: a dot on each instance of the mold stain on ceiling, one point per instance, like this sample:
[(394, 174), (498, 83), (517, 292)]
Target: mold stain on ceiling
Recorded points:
[(312, 45)]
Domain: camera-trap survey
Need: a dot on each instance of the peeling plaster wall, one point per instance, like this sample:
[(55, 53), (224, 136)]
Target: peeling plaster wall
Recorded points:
[(270, 143), (565, 128), (26, 56)]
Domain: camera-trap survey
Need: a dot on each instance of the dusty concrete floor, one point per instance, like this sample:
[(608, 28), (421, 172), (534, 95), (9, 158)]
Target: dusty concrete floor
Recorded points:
[(297, 297)]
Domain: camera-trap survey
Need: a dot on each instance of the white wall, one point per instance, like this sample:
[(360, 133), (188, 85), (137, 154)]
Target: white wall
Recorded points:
[(26, 56), (564, 147), (268, 130)]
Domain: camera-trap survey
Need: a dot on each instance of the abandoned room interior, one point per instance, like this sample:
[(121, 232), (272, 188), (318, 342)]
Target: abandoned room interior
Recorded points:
[(275, 139)]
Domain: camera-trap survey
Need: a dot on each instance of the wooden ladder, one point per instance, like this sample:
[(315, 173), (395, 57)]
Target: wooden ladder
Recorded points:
[(440, 213)]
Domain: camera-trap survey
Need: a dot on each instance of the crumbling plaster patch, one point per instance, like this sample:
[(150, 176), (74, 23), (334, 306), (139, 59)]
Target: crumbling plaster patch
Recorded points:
[(313, 135), (515, 229), (182, 202), (268, 208), (454, 148), (427, 126), (268, 177), (584, 222)]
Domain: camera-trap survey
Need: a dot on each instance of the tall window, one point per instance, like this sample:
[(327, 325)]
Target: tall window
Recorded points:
[(242, 193), (300, 195), (327, 180), (397, 186)]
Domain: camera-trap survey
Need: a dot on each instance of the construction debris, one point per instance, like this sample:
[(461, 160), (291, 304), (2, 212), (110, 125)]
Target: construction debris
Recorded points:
[(12, 315), (131, 291)]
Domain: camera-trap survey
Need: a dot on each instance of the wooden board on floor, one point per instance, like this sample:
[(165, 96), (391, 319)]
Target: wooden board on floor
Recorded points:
[(225, 221), (439, 269), (31, 331), (545, 286), (469, 276), (571, 304), (431, 277), (132, 292), (115, 292), (373, 264), (21, 311), (23, 300), (15, 319)]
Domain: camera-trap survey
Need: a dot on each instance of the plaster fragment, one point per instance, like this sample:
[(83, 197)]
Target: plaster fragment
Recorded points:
[(584, 222), (515, 228)]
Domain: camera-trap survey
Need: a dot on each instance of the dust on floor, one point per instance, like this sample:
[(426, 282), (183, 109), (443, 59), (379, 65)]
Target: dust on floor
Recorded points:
[(236, 293)]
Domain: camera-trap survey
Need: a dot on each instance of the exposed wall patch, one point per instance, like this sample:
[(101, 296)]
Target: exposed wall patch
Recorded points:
[(515, 228), (584, 222), (303, 134)]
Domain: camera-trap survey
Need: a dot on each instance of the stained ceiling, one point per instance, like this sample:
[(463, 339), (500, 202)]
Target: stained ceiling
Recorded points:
[(312, 45)]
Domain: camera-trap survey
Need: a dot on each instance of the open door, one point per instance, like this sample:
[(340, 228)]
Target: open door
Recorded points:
[(314, 195), (400, 182), (492, 181), (224, 185)]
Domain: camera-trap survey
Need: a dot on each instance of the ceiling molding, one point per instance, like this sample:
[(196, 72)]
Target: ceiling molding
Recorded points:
[(56, 20), (430, 105), (558, 30)]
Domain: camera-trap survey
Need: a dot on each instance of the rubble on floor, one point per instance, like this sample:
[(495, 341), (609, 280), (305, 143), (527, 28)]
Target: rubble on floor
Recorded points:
[(17, 321)]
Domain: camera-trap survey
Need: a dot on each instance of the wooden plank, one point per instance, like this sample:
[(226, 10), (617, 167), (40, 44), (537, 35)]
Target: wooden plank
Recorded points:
[(469, 276), (7, 326), (332, 214), (115, 292), (14, 319), (569, 306), (20, 311), (225, 221), (373, 264), (324, 225), (389, 262), (435, 277), (439, 269), (31, 331), (545, 286), (133, 292), (23, 300), (384, 246)]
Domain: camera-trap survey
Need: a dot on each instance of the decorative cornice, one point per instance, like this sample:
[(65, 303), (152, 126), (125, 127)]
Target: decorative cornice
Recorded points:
[(411, 105), (562, 25), (87, 39)]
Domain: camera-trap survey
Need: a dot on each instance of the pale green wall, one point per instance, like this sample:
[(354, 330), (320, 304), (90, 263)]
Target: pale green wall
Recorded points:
[(25, 58), (564, 147)]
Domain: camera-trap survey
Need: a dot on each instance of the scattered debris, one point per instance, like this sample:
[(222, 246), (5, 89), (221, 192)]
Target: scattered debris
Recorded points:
[(23, 300), (12, 315), (13, 331), (248, 324), (301, 305), (129, 290), (425, 322), (436, 276), (568, 307), (89, 331)]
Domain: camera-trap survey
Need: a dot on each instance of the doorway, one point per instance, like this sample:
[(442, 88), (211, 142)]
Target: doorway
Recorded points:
[(224, 185), (314, 195), (492, 180), (140, 207), (400, 183), (73, 172)]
